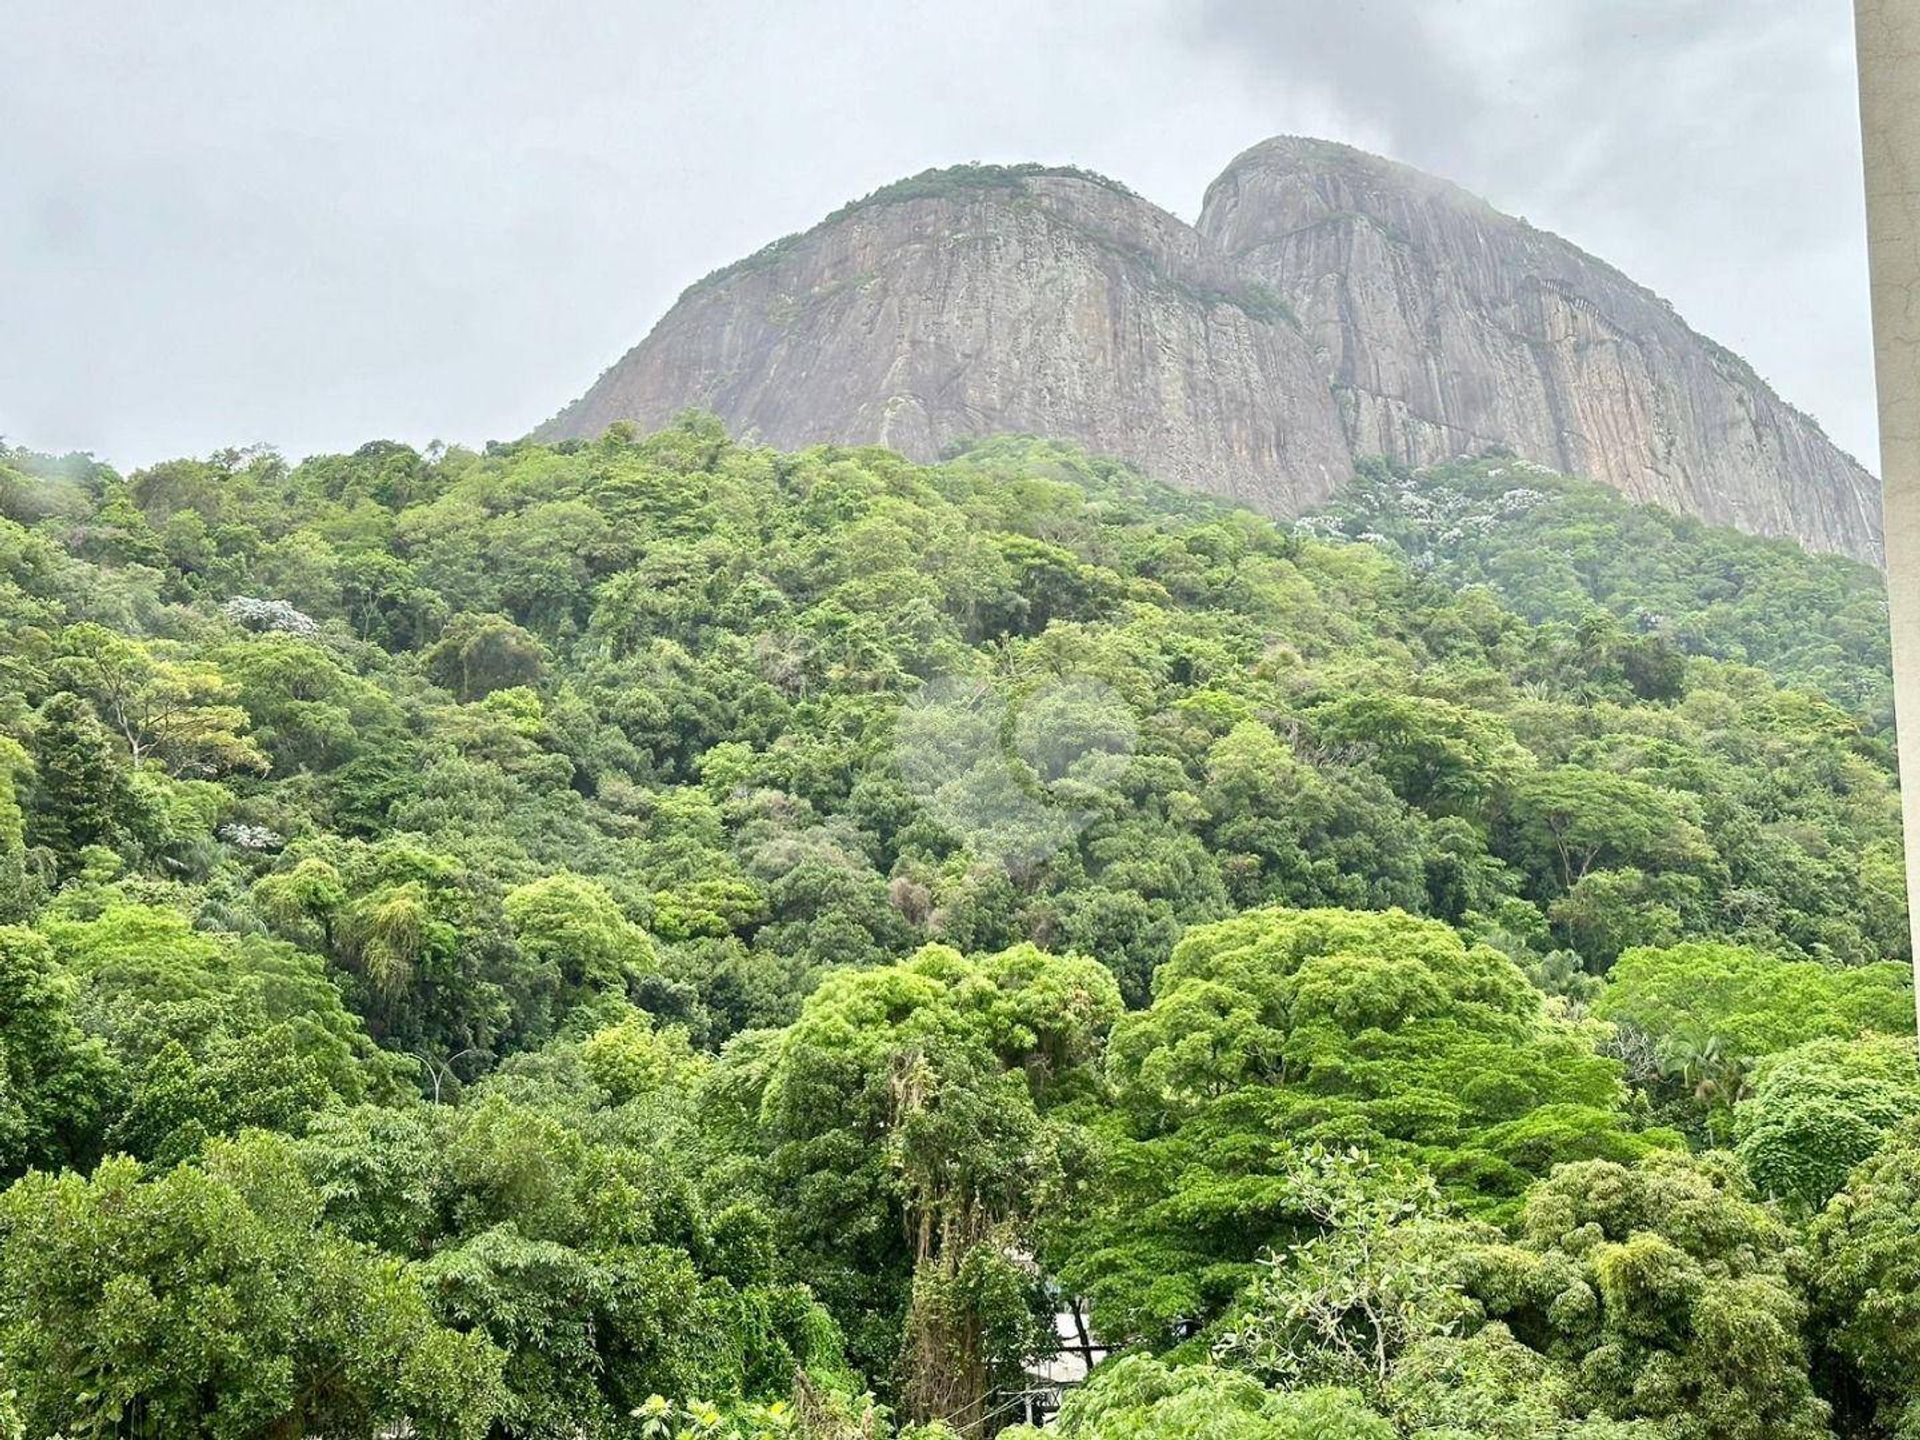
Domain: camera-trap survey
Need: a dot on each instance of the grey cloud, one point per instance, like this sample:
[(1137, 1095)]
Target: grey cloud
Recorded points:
[(1708, 149), (313, 225)]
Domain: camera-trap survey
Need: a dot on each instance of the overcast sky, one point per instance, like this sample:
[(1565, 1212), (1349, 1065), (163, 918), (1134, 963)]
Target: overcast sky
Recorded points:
[(317, 224)]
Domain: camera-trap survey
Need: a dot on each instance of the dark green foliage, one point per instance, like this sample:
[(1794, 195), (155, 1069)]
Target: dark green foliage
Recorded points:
[(1756, 1003), (1277, 1030), (1663, 1292), (1867, 1287), (211, 1301), (1558, 549), (1820, 1109), (58, 1085), (571, 940), (80, 794)]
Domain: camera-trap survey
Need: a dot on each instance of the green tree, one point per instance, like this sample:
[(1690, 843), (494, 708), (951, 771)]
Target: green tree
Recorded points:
[(1821, 1109), (479, 654), (212, 1033), (57, 1085), (907, 1152), (1608, 911), (211, 1302), (1138, 1396), (584, 946), (1441, 756), (1662, 1292), (1370, 1283), (1570, 821), (79, 794), (16, 889), (1278, 1029), (1866, 1284), (1755, 1004), (177, 711)]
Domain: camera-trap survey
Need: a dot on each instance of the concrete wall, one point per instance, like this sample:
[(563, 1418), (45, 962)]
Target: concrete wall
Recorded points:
[(1888, 35)]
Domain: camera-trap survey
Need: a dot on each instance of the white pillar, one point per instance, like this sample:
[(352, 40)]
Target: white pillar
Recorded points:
[(1887, 36)]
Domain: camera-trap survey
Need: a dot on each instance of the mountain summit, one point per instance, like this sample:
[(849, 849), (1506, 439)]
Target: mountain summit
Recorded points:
[(1328, 304)]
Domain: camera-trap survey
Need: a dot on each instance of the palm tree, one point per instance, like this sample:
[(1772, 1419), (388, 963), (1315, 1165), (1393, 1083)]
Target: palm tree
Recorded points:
[(1718, 1078)]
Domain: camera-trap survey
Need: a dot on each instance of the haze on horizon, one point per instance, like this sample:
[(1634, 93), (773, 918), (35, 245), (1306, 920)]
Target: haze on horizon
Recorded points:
[(232, 223)]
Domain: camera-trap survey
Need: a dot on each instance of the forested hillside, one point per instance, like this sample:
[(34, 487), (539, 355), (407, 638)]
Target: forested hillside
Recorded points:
[(1554, 548), (659, 937)]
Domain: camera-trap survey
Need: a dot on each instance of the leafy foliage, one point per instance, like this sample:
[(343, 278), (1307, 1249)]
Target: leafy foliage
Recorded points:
[(1562, 549), (1663, 1292), (657, 937), (1867, 1294), (1278, 1030)]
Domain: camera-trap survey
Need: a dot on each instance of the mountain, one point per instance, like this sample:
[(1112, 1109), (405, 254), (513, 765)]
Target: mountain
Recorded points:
[(966, 302), (1449, 327), (1328, 305)]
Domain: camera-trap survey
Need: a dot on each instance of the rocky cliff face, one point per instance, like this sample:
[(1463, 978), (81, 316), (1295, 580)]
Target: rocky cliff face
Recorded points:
[(1329, 304), (1448, 327), (968, 303)]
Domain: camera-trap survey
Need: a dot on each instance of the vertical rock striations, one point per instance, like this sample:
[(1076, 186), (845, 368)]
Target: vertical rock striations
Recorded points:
[(963, 303), (1328, 304), (1448, 327)]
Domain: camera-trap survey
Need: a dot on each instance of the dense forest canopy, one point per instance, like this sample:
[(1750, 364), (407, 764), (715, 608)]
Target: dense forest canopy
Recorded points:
[(660, 937), (1556, 549)]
